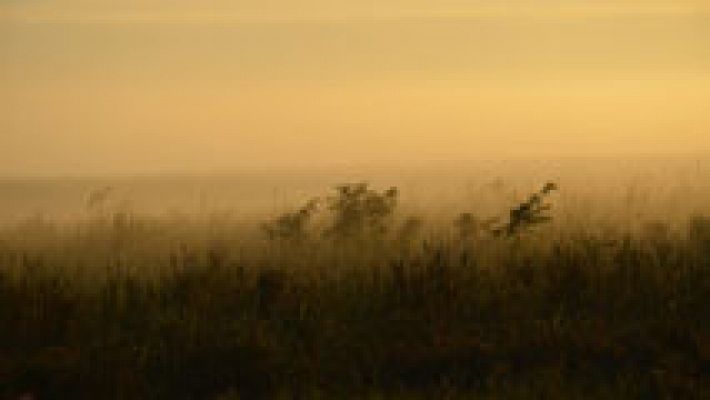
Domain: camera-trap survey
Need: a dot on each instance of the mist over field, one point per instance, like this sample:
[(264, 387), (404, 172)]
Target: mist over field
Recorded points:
[(606, 190), (497, 279)]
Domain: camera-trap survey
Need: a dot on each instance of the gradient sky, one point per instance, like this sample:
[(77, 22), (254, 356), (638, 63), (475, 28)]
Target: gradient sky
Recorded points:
[(93, 87)]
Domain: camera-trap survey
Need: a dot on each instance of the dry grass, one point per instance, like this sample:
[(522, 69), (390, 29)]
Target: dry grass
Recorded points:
[(129, 307)]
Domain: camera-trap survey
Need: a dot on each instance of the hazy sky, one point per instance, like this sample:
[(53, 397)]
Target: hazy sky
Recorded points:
[(176, 85)]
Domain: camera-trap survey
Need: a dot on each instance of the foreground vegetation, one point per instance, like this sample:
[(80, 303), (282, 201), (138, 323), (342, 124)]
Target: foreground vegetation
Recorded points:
[(365, 305)]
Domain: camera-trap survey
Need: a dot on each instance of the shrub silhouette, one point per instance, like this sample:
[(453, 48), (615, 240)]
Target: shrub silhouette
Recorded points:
[(356, 212), (359, 211)]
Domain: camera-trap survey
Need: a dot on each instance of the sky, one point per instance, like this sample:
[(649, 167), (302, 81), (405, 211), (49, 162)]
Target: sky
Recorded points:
[(152, 86)]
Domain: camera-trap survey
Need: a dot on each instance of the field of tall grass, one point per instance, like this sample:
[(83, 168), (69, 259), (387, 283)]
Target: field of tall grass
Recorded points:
[(349, 297)]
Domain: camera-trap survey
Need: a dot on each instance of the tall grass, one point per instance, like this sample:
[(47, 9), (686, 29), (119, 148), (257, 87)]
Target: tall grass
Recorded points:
[(350, 307)]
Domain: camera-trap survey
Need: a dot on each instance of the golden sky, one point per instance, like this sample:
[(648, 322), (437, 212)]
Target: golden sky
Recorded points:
[(163, 86)]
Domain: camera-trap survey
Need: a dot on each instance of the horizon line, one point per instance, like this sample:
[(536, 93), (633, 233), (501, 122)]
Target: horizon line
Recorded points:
[(333, 167)]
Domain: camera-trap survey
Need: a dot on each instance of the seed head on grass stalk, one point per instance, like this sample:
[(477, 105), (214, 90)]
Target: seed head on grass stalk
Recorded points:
[(529, 213)]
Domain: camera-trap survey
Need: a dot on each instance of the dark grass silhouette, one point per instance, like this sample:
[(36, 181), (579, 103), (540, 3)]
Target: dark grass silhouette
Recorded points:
[(355, 309)]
